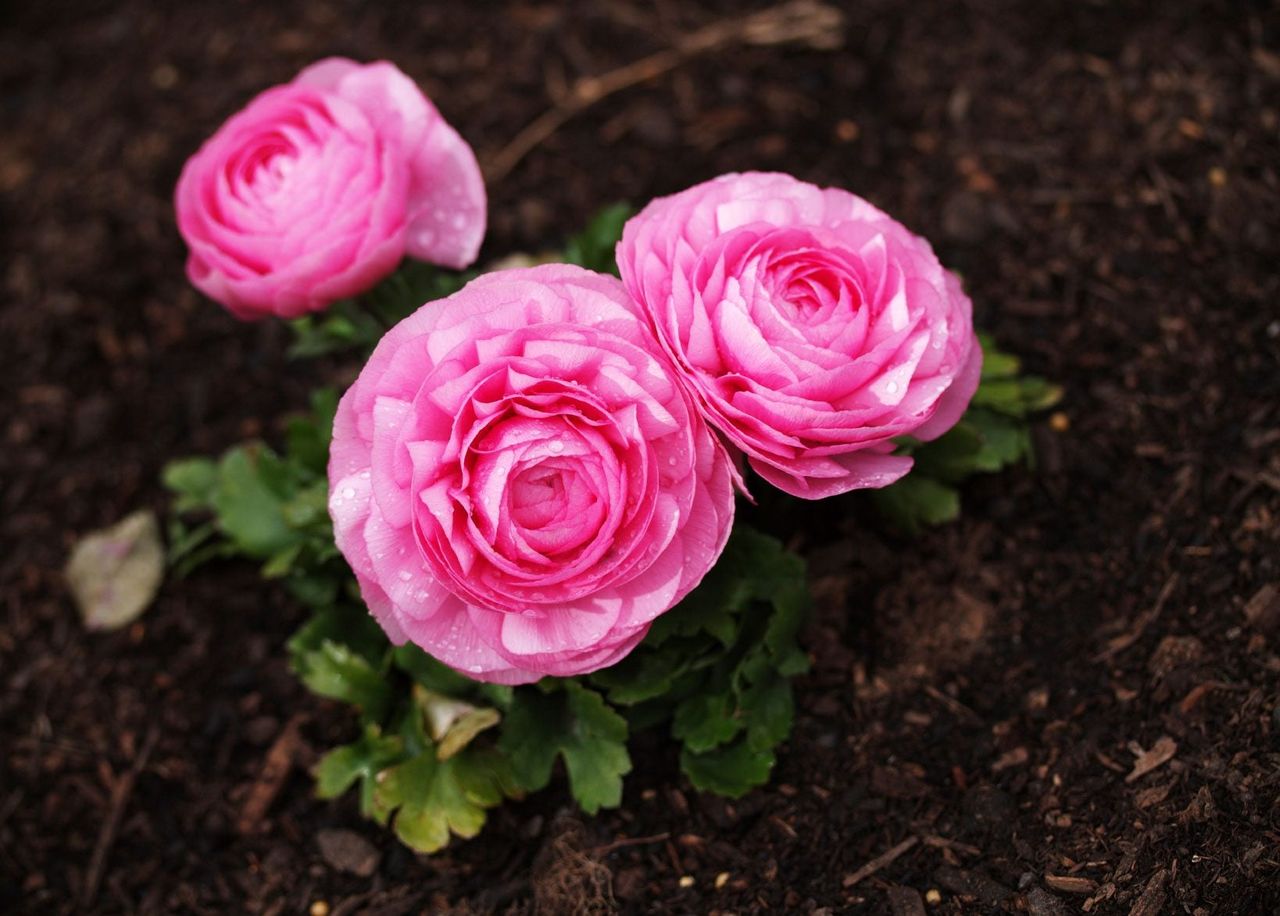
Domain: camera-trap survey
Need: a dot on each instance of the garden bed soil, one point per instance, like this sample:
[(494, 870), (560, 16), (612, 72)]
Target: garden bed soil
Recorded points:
[(1067, 700)]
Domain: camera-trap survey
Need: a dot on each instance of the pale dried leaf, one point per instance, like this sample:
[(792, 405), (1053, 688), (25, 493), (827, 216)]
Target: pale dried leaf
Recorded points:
[(466, 728), (114, 573)]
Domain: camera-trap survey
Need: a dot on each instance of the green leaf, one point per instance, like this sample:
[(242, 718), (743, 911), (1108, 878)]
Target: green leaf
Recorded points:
[(706, 721), (731, 770), (767, 705), (997, 364), (338, 672), (574, 723), (721, 663), (951, 457), (249, 504), (430, 673), (645, 675), (433, 798), (439, 677), (316, 589), (1004, 440), (710, 608), (1004, 390), (184, 541), (916, 501), (308, 436), (349, 625), (593, 247), (344, 326), (361, 760), (309, 507), (193, 481), (280, 564)]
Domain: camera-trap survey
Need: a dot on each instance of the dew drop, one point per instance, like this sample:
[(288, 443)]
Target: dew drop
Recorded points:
[(556, 446), (892, 388), (349, 493), (405, 575)]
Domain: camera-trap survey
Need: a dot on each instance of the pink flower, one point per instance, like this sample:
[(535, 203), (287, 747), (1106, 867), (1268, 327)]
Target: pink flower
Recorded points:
[(318, 188), (519, 482), (811, 327)]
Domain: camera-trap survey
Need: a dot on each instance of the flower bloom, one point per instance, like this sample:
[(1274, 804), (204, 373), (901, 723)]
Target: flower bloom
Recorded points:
[(811, 327), (519, 482), (319, 187)]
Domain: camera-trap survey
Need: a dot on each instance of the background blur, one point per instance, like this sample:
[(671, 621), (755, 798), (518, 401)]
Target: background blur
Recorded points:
[(1104, 176)]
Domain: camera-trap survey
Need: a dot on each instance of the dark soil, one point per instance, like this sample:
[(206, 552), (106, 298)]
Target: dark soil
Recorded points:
[(1105, 177)]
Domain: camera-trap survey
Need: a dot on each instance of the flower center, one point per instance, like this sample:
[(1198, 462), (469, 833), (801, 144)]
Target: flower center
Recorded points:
[(555, 509), (812, 288)]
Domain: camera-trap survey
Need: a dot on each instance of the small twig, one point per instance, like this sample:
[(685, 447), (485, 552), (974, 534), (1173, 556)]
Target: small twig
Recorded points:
[(1119, 643), (806, 21), (958, 709), (941, 842), (120, 793), (880, 861), (280, 760), (630, 841)]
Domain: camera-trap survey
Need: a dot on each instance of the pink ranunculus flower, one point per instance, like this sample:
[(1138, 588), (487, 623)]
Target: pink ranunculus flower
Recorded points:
[(520, 483), (319, 187), (811, 327)]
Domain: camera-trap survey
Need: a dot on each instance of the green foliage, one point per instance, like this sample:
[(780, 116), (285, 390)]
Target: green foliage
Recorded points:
[(991, 435), (358, 762), (268, 507), (360, 324), (571, 721), (593, 247), (434, 798), (731, 769), (436, 750), (719, 665), (431, 788)]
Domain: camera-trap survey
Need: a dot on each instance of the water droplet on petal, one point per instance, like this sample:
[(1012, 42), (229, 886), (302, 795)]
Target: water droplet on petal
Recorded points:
[(892, 388), (405, 575), (349, 493), (556, 446)]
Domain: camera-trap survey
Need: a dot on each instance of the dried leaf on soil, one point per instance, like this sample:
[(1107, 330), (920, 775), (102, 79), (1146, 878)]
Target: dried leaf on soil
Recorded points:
[(114, 573)]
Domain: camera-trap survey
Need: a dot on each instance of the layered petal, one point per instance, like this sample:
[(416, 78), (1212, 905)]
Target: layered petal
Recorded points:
[(810, 327), (317, 189), (520, 483)]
